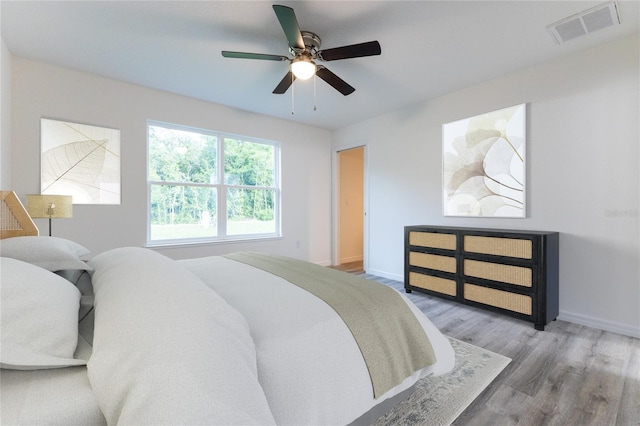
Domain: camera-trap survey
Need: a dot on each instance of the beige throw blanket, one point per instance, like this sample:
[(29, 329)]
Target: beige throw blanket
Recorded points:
[(392, 342)]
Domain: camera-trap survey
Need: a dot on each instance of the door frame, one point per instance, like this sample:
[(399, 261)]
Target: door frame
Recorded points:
[(335, 203)]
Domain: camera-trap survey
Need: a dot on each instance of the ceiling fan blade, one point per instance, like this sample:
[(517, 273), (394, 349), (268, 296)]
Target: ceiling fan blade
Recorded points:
[(244, 55), (289, 24), (334, 81), (284, 85), (370, 48)]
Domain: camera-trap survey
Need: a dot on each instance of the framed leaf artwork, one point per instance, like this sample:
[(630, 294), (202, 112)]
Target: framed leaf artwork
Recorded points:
[(80, 160), (484, 164)]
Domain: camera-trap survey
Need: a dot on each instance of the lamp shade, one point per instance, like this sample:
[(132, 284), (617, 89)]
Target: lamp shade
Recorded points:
[(49, 206)]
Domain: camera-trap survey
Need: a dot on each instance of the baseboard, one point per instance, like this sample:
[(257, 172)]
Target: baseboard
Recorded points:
[(600, 324), (386, 275)]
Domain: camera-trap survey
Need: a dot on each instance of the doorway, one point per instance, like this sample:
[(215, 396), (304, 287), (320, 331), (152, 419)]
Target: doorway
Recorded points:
[(349, 253)]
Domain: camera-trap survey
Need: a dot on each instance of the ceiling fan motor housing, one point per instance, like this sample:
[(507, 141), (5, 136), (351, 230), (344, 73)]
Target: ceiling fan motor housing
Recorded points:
[(311, 43)]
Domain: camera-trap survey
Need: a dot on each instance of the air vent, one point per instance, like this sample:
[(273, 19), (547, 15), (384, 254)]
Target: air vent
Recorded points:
[(583, 23)]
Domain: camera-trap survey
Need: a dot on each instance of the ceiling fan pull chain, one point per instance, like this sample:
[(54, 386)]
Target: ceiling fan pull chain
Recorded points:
[(314, 93), (293, 90)]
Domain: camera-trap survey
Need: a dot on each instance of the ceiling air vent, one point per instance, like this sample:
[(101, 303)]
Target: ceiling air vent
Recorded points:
[(588, 21)]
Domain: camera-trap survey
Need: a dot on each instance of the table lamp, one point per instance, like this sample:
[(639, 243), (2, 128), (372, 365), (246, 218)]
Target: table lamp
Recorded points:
[(49, 206)]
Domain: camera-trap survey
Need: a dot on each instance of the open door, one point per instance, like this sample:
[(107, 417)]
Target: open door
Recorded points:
[(350, 211)]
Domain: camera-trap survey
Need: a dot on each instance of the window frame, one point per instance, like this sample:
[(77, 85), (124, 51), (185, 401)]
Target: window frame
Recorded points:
[(220, 186)]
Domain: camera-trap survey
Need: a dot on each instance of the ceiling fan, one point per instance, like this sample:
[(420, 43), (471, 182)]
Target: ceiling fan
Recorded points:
[(304, 46)]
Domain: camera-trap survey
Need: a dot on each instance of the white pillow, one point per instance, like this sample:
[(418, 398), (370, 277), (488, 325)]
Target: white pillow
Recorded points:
[(50, 253), (39, 318)]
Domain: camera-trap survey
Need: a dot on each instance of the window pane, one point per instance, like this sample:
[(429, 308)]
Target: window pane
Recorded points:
[(250, 211), (179, 212), (181, 156), (248, 163)]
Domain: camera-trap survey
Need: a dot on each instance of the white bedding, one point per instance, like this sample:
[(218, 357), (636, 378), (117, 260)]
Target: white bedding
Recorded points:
[(206, 341), (306, 380), (59, 396), (167, 349)]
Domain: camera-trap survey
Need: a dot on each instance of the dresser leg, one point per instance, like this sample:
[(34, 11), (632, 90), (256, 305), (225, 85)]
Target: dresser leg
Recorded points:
[(539, 327), (407, 290)]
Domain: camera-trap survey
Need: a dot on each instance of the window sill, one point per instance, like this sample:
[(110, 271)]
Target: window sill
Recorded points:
[(196, 243)]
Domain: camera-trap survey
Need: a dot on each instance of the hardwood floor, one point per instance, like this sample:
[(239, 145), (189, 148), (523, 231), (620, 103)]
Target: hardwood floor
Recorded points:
[(566, 375), (351, 267)]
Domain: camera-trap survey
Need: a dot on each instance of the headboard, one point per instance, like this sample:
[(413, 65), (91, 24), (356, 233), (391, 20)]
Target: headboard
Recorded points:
[(14, 219)]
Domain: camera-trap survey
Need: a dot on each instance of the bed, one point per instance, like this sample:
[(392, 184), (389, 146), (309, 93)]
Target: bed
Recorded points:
[(133, 337)]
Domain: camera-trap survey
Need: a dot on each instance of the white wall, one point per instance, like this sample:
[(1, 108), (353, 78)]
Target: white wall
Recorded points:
[(5, 116), (582, 175), (41, 90)]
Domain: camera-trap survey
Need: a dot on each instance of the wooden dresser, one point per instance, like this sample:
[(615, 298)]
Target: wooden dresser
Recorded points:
[(511, 272)]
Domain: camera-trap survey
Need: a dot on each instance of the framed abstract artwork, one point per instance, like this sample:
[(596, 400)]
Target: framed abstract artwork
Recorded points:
[(80, 160), (484, 164)]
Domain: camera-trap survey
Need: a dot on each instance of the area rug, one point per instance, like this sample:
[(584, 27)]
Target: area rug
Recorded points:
[(440, 400)]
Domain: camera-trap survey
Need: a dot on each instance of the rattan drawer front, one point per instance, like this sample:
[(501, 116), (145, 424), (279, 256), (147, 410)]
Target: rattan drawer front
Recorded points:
[(433, 240), (508, 247), (441, 285), (510, 274), (433, 261), (501, 299)]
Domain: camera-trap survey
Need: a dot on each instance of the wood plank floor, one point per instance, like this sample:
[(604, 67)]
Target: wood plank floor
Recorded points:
[(566, 375), (351, 267)]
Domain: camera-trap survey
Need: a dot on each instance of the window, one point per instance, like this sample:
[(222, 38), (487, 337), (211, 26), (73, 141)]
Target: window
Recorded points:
[(209, 186)]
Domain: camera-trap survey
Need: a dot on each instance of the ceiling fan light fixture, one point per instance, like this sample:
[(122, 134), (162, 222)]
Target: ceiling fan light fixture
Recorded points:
[(304, 48), (303, 68)]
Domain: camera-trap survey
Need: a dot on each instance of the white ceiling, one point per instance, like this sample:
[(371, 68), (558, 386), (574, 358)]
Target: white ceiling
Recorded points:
[(429, 48)]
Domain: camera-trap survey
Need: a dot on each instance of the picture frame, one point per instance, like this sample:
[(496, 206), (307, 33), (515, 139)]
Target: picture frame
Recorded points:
[(80, 160), (484, 164)]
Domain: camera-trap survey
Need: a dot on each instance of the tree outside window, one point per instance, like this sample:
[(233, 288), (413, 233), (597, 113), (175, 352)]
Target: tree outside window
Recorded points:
[(209, 186)]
